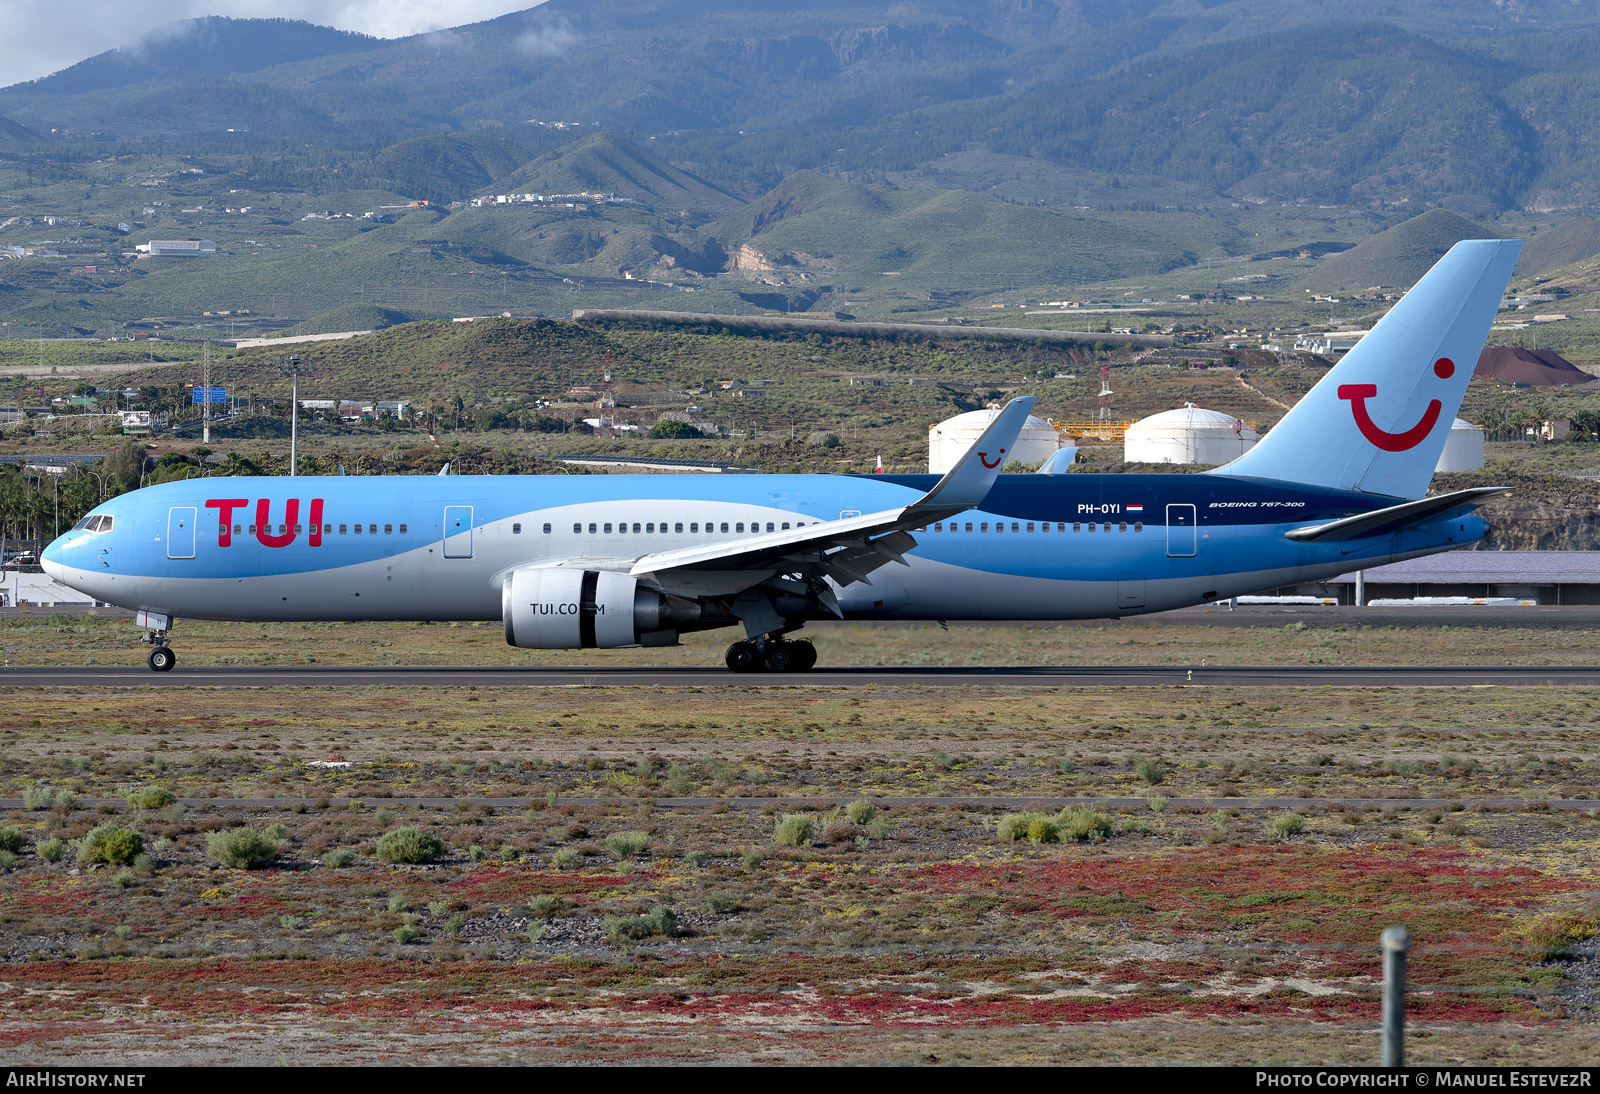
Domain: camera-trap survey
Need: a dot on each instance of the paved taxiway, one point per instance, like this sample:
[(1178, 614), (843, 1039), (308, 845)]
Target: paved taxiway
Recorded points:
[(1364, 676)]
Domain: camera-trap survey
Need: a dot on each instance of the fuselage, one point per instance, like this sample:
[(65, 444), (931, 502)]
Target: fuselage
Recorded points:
[(438, 548)]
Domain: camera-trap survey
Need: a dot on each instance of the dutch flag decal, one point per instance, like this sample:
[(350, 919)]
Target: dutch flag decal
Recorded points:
[(1135, 508)]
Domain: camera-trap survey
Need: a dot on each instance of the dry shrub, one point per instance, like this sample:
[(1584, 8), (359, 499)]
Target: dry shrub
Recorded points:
[(110, 843), (410, 845)]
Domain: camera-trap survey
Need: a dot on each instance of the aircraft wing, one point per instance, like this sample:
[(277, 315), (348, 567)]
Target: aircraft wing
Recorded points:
[(848, 548)]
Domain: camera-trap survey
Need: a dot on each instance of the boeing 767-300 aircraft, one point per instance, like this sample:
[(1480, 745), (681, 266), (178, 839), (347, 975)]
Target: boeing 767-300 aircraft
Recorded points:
[(563, 562)]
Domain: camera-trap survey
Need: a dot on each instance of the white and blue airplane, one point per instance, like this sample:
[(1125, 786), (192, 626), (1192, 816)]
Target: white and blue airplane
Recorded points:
[(577, 562)]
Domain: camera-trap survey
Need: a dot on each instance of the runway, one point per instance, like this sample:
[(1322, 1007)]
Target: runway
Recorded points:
[(410, 676)]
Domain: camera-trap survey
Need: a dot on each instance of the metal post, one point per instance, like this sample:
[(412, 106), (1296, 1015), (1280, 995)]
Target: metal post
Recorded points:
[(1396, 945), (294, 366), (294, 425), (1361, 589), (205, 406)]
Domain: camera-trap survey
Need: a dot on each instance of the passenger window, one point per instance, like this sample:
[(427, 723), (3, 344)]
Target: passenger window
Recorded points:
[(516, 529), (327, 529), (591, 529), (1108, 526), (252, 529), (1092, 527), (1138, 526), (635, 527), (402, 529), (969, 526), (678, 527), (999, 526), (344, 529), (235, 529), (1015, 527), (694, 526), (725, 526), (547, 529), (785, 526), (1062, 527), (984, 527), (939, 527), (608, 528), (283, 529), (737, 527), (372, 529), (576, 529), (1123, 527), (297, 529), (388, 529), (769, 526), (650, 528)]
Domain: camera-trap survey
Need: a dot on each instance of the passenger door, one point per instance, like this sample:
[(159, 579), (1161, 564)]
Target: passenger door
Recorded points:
[(458, 531), (180, 531), (1181, 531)]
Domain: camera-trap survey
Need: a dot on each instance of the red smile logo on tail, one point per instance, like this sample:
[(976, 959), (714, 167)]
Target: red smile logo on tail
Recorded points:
[(1358, 394), (983, 458)]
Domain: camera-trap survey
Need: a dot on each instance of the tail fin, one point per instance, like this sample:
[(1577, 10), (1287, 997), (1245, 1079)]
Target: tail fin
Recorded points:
[(1379, 419)]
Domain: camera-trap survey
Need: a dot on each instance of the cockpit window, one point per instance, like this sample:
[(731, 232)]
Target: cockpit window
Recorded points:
[(100, 522), (82, 524), (105, 523)]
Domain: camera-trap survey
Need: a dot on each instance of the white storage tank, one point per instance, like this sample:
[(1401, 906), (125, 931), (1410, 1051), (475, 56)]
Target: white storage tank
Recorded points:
[(948, 440), (1188, 435), (1463, 451)]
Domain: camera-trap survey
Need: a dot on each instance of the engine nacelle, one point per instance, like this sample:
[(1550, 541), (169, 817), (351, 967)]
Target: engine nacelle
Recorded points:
[(565, 608)]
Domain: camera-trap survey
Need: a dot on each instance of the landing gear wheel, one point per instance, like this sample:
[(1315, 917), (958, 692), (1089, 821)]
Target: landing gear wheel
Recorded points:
[(162, 658), (742, 657), (782, 657), (805, 656)]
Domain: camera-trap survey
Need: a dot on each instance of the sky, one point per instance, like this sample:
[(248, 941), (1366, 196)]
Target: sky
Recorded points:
[(42, 37)]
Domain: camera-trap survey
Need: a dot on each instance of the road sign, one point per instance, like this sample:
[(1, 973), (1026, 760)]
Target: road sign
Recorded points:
[(210, 394)]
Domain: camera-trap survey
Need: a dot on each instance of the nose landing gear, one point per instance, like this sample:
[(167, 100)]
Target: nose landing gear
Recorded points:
[(161, 658)]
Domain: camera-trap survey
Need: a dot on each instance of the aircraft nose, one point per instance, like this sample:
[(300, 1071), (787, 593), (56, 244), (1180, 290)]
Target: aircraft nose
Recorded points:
[(51, 562)]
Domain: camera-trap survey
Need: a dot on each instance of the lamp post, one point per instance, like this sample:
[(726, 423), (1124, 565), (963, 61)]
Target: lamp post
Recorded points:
[(294, 366)]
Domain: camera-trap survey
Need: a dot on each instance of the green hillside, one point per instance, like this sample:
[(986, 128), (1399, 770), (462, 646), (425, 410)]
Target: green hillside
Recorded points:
[(938, 239), (1398, 257), (606, 163), (11, 132), (443, 167), (351, 317), (1573, 240)]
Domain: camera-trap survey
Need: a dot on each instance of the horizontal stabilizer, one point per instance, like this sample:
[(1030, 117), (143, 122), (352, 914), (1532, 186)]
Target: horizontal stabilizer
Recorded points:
[(1383, 521)]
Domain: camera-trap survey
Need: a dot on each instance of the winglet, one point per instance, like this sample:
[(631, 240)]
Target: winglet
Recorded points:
[(966, 484)]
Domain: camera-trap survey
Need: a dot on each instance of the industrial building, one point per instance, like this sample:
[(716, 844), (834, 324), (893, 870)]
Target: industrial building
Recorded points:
[(1188, 435), (1463, 449), (1542, 577), (179, 248)]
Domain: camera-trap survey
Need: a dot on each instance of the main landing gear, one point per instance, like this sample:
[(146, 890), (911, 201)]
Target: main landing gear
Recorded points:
[(161, 658), (771, 654)]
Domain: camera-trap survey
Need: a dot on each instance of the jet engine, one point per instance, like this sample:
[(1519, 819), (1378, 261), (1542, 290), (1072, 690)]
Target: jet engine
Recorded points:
[(565, 608)]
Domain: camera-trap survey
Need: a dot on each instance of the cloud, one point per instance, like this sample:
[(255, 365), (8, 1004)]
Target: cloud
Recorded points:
[(552, 40), (41, 37)]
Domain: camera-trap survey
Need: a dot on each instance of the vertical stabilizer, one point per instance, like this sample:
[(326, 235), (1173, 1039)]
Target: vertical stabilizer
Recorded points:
[(1378, 421)]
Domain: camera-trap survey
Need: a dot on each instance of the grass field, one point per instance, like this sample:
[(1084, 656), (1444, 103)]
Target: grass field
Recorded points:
[(904, 933)]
